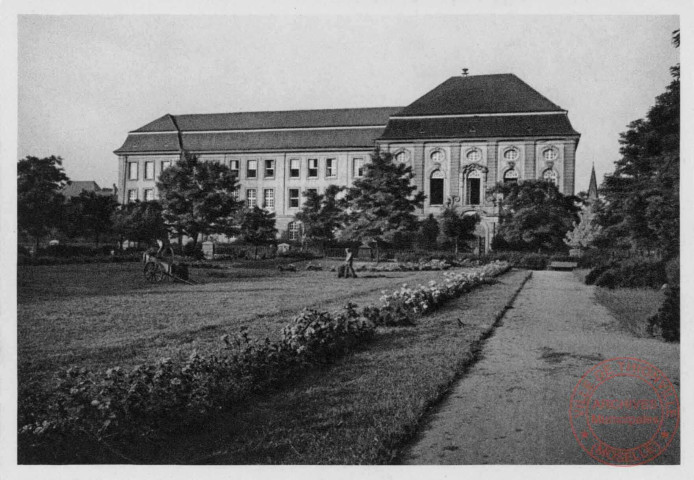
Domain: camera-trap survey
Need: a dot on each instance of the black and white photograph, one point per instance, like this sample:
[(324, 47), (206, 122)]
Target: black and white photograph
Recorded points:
[(424, 239)]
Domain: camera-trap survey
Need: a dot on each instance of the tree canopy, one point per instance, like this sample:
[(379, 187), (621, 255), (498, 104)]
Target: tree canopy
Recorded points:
[(535, 215), (91, 214), (139, 222), (321, 214), (381, 204), (40, 204), (641, 196), (258, 227), (458, 229), (198, 197)]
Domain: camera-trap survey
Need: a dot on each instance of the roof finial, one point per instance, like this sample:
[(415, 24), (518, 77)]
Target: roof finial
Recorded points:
[(465, 72)]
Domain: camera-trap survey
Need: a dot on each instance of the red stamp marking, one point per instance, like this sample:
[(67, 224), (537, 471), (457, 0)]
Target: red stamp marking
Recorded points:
[(624, 412)]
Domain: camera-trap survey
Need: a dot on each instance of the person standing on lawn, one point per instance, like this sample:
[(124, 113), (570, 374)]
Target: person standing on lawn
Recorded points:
[(349, 263)]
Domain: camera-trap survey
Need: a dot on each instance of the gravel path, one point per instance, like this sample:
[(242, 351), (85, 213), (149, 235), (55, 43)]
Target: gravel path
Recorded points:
[(512, 406)]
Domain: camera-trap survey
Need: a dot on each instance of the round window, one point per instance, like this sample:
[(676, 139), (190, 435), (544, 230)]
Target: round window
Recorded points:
[(474, 155), (437, 156), (511, 154), (550, 154)]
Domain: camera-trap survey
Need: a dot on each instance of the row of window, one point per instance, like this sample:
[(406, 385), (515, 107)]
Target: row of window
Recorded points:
[(295, 168), (269, 197), (474, 155), (133, 169), (147, 197)]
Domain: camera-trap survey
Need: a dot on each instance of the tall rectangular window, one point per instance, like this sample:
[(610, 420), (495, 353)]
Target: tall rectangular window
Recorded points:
[(234, 167), (330, 167), (252, 170), (358, 167), (269, 168), (149, 170), (132, 171), (294, 168), (269, 198), (312, 168), (293, 198), (235, 193), (132, 195), (251, 199), (149, 194), (164, 165)]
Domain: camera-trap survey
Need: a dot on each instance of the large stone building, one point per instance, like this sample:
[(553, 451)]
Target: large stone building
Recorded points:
[(461, 138)]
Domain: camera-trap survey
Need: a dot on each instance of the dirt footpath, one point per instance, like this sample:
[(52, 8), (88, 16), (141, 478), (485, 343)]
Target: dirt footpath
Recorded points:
[(512, 406)]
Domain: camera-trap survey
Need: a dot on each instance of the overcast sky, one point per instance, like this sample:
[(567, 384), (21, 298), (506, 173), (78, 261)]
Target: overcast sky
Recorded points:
[(85, 81)]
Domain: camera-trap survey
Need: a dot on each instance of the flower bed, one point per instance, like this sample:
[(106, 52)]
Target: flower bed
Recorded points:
[(119, 405), (403, 306)]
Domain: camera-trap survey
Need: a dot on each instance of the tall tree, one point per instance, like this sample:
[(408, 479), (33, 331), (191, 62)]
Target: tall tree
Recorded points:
[(429, 231), (381, 204), (198, 197), (642, 194), (535, 215), (40, 205), (91, 214), (258, 227), (585, 231), (139, 222), (321, 214), (458, 229)]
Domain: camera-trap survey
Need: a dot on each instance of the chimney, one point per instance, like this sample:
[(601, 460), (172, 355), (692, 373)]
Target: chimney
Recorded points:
[(465, 72)]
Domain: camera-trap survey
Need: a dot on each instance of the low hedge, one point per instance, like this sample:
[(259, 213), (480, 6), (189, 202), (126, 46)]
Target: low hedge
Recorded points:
[(632, 273), (43, 260)]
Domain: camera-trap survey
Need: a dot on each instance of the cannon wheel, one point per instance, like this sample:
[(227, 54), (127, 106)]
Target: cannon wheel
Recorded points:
[(154, 272)]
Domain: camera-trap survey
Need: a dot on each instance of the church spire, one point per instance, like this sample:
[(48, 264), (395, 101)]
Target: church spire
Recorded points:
[(593, 187)]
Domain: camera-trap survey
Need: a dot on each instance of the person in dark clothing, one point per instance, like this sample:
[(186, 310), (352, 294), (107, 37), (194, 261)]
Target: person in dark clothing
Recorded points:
[(349, 263)]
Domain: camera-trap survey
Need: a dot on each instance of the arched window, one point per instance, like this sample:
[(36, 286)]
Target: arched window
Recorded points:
[(294, 229), (473, 188), (550, 175), (401, 157), (511, 176), (436, 188)]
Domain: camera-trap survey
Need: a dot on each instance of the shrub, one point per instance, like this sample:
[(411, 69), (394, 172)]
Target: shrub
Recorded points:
[(629, 273), (672, 272), (533, 261), (667, 320), (596, 272)]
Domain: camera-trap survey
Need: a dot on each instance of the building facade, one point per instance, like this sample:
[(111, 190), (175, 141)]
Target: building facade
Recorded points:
[(460, 139)]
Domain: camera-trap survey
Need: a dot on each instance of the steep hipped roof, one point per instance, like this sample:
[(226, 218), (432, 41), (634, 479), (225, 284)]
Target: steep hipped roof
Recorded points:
[(325, 129), (478, 127), (503, 93), (76, 187)]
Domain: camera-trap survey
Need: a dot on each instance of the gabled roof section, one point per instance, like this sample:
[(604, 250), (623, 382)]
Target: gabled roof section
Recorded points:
[(293, 129), (161, 124), (480, 94), (339, 117)]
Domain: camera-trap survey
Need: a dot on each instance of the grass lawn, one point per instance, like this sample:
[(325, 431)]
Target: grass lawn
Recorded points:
[(630, 306), (361, 410), (105, 315)]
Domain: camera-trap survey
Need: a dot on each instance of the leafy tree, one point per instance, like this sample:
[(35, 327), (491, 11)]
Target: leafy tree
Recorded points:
[(321, 214), (198, 197), (428, 231), (139, 222), (91, 214), (535, 216), (585, 231), (258, 227), (380, 205), (458, 229), (40, 205), (642, 194)]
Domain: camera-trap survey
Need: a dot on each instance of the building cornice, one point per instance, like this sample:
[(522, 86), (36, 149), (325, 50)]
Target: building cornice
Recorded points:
[(253, 130), (471, 115)]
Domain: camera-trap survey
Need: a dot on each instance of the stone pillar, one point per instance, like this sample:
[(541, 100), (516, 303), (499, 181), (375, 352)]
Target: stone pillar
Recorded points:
[(418, 169), (492, 161), (122, 178), (208, 249), (569, 167), (530, 167), (454, 183)]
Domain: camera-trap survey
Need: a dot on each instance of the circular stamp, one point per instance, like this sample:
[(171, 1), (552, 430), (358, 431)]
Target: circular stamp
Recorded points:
[(624, 412)]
